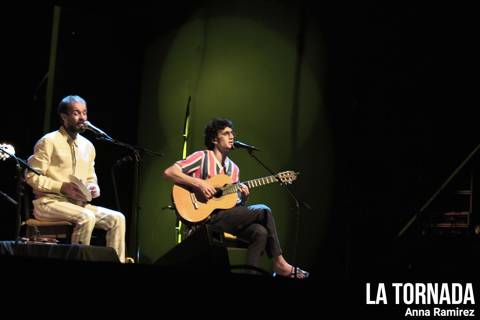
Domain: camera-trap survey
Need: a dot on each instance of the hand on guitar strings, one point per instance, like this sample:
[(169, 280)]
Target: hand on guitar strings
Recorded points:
[(206, 189)]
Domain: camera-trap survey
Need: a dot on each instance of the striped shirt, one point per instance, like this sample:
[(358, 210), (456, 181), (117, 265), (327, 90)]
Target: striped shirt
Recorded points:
[(204, 165)]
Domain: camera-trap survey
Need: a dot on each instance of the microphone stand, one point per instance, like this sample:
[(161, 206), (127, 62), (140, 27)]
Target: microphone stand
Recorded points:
[(298, 205), (136, 181), (179, 228), (9, 199), (21, 164)]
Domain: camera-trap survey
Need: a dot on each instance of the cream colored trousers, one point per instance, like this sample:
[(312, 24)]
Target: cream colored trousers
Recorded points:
[(85, 219)]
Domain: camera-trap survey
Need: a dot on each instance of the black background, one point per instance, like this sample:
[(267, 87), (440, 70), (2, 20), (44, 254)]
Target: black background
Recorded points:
[(401, 97)]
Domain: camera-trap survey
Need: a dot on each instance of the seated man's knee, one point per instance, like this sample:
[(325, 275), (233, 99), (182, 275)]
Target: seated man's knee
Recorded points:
[(88, 217), (260, 207), (117, 219)]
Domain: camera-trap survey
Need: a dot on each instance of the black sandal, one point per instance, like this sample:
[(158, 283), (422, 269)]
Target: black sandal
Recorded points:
[(298, 273)]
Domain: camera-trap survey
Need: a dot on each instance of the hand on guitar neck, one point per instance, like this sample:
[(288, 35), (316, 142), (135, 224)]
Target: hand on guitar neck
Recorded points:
[(245, 191)]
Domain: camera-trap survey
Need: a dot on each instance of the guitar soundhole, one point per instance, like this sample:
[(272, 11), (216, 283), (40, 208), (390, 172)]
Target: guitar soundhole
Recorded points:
[(218, 194)]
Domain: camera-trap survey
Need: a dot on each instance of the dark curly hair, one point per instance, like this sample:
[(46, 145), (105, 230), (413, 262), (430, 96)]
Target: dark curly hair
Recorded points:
[(212, 128)]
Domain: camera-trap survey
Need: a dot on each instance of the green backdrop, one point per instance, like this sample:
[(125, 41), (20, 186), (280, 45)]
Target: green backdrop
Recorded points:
[(263, 67)]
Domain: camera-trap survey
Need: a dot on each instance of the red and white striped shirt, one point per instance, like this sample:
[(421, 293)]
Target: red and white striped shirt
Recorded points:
[(204, 165)]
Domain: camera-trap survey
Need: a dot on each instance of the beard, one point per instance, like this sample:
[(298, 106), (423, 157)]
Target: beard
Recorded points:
[(74, 128)]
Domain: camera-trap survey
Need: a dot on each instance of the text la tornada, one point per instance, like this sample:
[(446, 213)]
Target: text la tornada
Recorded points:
[(420, 293)]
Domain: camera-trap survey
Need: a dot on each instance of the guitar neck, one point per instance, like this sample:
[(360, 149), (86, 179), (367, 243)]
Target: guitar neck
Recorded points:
[(232, 188), (260, 181)]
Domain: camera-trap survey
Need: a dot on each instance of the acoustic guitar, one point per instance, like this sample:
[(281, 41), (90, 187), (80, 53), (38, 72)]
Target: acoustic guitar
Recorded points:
[(193, 207)]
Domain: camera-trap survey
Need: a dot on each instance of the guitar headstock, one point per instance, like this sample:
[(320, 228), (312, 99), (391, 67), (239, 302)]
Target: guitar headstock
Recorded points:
[(8, 148), (287, 176)]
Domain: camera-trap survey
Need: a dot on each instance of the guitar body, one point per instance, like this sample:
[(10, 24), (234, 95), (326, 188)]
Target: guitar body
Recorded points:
[(193, 207)]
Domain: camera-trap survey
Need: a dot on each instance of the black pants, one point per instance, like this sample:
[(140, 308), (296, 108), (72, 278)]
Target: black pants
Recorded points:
[(254, 224)]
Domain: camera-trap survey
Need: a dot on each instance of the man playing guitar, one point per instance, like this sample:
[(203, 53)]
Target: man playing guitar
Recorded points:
[(253, 223)]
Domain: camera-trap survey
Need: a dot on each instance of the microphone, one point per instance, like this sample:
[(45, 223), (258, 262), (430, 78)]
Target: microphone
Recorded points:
[(241, 145), (89, 126)]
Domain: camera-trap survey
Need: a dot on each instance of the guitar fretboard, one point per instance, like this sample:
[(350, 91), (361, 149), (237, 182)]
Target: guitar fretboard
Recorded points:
[(233, 188), (261, 181)]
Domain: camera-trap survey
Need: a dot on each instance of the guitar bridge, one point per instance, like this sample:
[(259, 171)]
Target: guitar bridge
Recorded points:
[(194, 200)]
